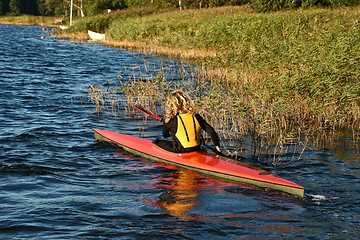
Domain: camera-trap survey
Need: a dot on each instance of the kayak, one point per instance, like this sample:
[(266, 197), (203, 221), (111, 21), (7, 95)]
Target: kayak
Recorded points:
[(201, 161)]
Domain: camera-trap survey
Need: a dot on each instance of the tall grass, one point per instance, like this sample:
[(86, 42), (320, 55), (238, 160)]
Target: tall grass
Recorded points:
[(280, 76), (302, 66), (30, 20), (233, 120)]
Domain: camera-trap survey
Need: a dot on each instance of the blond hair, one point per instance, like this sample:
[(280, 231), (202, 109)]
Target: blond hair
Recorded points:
[(178, 102)]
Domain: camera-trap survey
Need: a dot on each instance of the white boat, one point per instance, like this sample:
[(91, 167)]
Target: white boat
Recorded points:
[(96, 36)]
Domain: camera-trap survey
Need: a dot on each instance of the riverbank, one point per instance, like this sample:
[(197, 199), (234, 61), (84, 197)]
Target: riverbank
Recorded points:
[(28, 20), (182, 53), (295, 69)]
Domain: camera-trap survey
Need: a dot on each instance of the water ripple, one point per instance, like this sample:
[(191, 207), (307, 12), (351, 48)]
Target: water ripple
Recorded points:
[(57, 183)]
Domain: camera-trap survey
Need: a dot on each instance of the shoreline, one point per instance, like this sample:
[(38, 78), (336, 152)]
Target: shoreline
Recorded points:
[(30, 24), (169, 52), (184, 54)]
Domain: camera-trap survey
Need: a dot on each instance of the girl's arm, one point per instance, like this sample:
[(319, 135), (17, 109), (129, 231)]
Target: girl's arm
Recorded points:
[(210, 130)]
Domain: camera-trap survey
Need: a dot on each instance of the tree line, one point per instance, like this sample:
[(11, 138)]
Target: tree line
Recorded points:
[(92, 7)]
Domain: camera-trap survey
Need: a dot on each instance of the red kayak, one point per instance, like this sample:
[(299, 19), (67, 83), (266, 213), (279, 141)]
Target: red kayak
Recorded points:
[(202, 162)]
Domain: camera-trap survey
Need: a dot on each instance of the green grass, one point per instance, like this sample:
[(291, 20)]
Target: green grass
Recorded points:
[(30, 20), (280, 76), (303, 65), (101, 23)]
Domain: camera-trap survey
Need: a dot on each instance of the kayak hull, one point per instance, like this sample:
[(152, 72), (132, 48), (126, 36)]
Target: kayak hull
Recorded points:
[(202, 162)]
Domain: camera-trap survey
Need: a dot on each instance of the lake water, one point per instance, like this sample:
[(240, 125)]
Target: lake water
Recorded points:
[(56, 182)]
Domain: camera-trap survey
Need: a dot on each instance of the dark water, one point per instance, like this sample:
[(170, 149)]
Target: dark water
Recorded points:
[(57, 183)]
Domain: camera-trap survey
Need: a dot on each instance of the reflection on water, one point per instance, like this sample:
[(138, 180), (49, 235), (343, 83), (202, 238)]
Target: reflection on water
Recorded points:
[(181, 194)]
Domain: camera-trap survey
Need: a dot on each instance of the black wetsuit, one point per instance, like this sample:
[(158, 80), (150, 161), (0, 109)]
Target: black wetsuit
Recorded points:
[(170, 129)]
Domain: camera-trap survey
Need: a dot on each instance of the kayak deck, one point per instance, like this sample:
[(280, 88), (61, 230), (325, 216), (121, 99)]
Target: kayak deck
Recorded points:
[(202, 162)]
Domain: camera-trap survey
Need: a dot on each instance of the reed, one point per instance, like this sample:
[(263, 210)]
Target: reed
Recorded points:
[(239, 120), (105, 100)]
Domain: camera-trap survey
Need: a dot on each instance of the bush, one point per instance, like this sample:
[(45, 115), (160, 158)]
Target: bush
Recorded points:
[(276, 5)]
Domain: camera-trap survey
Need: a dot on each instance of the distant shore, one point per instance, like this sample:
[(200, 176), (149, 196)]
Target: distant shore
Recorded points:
[(28, 20), (29, 24)]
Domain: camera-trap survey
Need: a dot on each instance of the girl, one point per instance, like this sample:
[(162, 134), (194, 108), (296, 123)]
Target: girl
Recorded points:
[(184, 125)]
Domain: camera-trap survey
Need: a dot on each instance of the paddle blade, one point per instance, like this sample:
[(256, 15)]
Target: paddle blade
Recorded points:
[(147, 112)]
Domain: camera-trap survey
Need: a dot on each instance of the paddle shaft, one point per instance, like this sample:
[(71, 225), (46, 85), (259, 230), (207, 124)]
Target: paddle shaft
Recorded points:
[(147, 112)]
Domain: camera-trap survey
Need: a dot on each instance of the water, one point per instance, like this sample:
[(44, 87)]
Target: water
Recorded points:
[(56, 182)]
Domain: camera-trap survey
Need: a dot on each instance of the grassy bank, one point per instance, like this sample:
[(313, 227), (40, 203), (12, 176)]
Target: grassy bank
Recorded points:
[(31, 20), (312, 55), (277, 75)]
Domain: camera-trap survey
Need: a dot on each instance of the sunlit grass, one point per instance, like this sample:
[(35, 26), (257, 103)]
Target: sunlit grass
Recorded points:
[(279, 76), (302, 66), (31, 20), (237, 119)]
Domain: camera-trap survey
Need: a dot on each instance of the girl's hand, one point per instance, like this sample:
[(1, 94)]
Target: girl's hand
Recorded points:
[(218, 148)]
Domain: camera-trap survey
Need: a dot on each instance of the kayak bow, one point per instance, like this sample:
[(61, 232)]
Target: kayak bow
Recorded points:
[(202, 162)]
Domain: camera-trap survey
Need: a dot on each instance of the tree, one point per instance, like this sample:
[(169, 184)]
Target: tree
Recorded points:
[(41, 7), (53, 7), (15, 7), (78, 4), (29, 7), (4, 7), (119, 4)]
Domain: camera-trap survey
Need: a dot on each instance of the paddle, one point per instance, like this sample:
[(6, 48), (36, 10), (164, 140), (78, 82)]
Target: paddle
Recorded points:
[(148, 113), (160, 119)]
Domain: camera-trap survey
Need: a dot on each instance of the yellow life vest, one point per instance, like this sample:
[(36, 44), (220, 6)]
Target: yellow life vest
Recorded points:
[(188, 130)]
